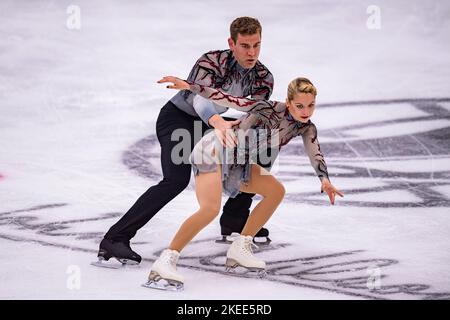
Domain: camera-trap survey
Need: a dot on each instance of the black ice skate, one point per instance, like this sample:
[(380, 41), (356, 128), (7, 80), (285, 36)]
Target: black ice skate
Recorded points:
[(230, 224), (120, 251)]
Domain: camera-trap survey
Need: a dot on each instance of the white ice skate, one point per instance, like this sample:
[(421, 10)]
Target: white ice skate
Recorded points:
[(163, 274), (240, 253)]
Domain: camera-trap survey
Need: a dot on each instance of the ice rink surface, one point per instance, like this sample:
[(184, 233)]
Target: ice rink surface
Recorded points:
[(77, 147)]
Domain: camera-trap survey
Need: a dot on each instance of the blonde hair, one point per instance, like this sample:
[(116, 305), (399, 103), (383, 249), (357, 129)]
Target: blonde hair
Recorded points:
[(244, 26), (300, 85)]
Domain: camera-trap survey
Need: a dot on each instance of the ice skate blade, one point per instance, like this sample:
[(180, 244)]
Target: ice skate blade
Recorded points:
[(118, 263), (233, 267), (224, 240), (128, 262), (155, 281), (155, 285), (260, 241)]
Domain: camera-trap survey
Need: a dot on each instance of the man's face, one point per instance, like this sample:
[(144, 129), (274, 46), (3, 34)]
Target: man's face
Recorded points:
[(302, 106), (246, 49)]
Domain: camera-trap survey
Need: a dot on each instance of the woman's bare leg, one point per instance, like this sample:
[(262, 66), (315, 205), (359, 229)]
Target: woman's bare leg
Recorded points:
[(208, 189), (272, 191)]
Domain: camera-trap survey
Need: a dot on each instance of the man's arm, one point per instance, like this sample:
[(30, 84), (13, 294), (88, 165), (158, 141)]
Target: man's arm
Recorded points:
[(205, 72), (263, 107), (205, 109), (263, 86), (229, 101)]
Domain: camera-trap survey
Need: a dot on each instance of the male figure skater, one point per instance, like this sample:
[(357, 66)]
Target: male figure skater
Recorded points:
[(236, 71)]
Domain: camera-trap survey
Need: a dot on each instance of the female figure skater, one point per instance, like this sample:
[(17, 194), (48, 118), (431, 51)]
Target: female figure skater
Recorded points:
[(214, 174)]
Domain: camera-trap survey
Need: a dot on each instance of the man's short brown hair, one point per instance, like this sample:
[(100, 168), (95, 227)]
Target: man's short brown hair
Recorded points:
[(244, 26)]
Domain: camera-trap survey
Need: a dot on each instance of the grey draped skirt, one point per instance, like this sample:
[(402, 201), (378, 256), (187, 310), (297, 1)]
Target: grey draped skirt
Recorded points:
[(209, 153)]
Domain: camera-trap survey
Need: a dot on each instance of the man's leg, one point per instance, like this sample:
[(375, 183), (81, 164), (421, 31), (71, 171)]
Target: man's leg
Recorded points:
[(175, 177), (175, 180), (235, 213)]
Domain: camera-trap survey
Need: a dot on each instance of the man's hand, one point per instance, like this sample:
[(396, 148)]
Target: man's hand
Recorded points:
[(176, 83), (330, 190), (223, 130)]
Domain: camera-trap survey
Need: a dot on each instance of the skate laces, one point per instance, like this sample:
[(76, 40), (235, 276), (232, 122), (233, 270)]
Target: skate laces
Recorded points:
[(248, 245), (172, 259)]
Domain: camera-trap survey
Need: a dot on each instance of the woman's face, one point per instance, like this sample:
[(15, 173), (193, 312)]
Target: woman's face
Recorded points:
[(302, 106)]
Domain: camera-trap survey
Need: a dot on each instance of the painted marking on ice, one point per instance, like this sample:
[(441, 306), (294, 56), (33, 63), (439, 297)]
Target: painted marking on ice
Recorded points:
[(356, 158), (342, 272)]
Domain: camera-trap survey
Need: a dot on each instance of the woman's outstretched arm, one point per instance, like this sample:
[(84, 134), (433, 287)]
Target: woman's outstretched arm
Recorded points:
[(317, 160)]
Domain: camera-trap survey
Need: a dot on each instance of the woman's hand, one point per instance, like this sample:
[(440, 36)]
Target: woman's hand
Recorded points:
[(330, 190), (176, 83)]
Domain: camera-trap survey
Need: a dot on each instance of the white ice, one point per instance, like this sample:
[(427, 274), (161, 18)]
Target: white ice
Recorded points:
[(73, 101)]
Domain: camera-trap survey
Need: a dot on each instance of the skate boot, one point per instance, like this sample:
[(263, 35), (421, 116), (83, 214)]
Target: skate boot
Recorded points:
[(118, 250), (240, 254), (163, 274), (231, 224)]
